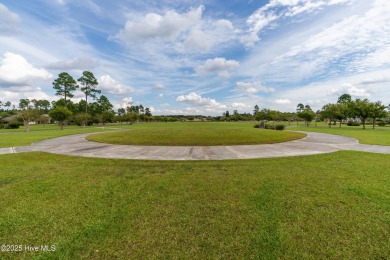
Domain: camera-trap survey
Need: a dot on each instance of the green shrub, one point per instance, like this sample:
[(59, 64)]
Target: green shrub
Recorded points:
[(353, 123), (12, 125), (256, 126), (279, 127), (381, 123)]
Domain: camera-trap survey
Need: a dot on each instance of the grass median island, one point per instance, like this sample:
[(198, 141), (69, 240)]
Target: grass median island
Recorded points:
[(203, 133), (332, 206), (377, 136)]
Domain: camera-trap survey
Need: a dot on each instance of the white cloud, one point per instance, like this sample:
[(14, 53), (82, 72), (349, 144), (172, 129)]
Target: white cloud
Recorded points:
[(212, 33), (81, 63), (23, 92), (161, 95), (237, 105), (16, 70), (9, 21), (199, 40), (221, 66), (155, 26), (268, 15), (109, 85), (197, 100), (356, 92), (126, 102), (282, 101), (159, 86), (354, 39), (253, 87)]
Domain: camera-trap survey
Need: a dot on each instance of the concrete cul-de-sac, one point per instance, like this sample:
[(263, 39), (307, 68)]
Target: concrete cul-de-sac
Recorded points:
[(313, 143)]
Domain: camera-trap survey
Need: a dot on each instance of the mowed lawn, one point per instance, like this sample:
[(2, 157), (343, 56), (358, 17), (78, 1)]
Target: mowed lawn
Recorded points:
[(196, 133), (331, 206), (378, 136), (17, 137)]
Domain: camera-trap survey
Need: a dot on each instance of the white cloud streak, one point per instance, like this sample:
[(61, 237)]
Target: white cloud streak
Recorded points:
[(221, 66), (9, 21), (253, 87)]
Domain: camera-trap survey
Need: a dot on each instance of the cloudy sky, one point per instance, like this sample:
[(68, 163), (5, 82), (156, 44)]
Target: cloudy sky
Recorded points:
[(199, 57)]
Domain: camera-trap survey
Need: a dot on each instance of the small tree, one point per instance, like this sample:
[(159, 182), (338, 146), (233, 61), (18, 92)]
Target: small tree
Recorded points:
[(361, 109), (60, 114), (377, 111), (28, 115), (306, 114), (82, 118)]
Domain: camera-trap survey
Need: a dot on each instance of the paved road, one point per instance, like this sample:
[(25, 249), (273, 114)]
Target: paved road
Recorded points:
[(314, 143)]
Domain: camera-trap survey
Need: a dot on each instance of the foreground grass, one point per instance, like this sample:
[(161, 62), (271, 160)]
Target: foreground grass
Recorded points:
[(203, 133), (18, 138), (324, 206), (378, 136)]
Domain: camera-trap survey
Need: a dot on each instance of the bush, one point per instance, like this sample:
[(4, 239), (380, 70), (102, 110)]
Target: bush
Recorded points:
[(13, 125), (279, 127), (353, 123), (381, 123), (256, 126)]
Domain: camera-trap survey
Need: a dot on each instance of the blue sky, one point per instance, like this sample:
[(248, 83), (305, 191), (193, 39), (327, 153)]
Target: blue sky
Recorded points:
[(199, 57)]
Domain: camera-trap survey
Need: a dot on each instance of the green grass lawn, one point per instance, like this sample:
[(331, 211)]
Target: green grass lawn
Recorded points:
[(17, 137), (378, 136), (332, 206), (200, 133)]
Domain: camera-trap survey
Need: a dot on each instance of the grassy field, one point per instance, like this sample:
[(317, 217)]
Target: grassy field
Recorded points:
[(17, 137), (318, 207), (196, 133), (378, 136)]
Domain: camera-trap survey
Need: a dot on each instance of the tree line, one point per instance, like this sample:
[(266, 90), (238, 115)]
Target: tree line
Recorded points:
[(345, 110), (100, 109), (65, 111)]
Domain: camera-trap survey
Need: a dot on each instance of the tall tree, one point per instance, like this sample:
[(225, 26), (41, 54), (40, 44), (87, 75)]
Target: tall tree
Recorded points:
[(24, 103), (89, 83), (344, 98), (148, 112), (7, 104), (104, 104), (300, 107), (65, 85), (255, 110)]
